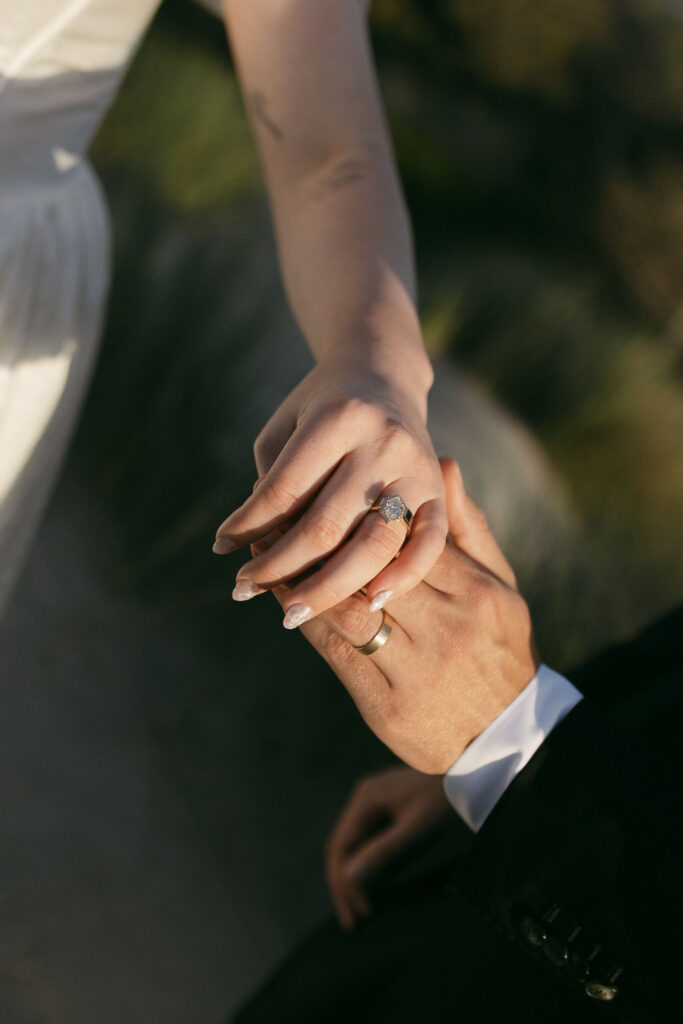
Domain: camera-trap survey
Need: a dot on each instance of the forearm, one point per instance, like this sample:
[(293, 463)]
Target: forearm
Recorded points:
[(346, 254), (342, 229)]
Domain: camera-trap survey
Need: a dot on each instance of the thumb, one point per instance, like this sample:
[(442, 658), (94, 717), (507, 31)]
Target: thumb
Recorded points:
[(468, 527)]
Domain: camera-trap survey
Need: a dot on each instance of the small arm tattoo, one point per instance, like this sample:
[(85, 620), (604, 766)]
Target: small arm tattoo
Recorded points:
[(258, 104), (343, 174)]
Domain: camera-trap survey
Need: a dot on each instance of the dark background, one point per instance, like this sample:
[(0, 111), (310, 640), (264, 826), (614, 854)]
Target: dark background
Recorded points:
[(182, 757)]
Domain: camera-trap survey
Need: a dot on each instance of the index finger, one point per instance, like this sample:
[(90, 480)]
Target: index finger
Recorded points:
[(298, 473)]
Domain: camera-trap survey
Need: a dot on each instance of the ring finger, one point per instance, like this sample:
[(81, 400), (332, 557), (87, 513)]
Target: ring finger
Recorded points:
[(334, 514), (371, 547), (339, 633)]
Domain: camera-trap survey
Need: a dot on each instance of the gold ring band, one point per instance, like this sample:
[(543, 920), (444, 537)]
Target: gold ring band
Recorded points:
[(380, 637), (394, 510)]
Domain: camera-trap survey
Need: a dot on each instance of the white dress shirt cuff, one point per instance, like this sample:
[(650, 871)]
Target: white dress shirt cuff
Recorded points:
[(482, 773)]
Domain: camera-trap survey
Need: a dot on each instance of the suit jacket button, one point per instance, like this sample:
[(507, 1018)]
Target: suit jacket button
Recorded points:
[(556, 950), (599, 990), (532, 930)]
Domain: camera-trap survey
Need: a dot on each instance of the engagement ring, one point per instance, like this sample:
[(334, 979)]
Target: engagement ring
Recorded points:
[(393, 510)]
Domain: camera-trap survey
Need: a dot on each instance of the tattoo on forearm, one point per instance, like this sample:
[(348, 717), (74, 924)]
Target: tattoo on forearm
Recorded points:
[(258, 104), (343, 174)]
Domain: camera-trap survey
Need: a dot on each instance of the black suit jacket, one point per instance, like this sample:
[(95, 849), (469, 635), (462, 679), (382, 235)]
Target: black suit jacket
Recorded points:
[(568, 903), (580, 862)]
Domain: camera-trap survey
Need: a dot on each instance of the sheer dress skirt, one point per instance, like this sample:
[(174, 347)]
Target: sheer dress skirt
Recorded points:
[(54, 272)]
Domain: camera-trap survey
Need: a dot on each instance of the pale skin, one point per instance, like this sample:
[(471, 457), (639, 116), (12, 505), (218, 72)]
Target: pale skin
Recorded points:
[(460, 651), (354, 429)]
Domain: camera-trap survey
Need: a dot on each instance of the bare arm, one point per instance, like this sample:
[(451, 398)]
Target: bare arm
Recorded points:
[(353, 430), (343, 233)]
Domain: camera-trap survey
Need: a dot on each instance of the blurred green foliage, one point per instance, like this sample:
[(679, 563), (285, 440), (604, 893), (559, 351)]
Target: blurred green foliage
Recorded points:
[(178, 128), (541, 147)]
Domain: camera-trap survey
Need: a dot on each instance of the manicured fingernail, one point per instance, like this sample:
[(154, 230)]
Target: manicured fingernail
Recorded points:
[(297, 615), (223, 546), (380, 600), (245, 590)]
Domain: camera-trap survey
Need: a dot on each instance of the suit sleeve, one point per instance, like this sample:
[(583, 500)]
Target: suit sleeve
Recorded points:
[(579, 864)]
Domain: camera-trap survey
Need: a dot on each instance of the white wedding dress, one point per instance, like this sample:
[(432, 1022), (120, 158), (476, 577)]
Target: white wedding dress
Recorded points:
[(61, 62)]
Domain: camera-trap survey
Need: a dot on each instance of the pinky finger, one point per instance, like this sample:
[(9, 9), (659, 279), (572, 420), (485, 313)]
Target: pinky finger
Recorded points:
[(416, 557)]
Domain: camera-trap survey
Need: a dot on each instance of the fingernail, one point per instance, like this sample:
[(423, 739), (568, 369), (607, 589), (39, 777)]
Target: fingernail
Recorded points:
[(297, 615), (380, 600), (223, 546), (245, 590)]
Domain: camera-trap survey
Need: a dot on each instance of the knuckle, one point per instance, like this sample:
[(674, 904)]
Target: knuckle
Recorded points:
[(352, 406), (278, 496), (483, 593), (396, 433), (352, 617), (380, 540), (345, 409), (337, 650), (395, 438), (328, 593), (323, 532)]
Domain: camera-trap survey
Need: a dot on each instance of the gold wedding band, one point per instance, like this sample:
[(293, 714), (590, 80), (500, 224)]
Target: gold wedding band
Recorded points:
[(380, 637), (394, 509)]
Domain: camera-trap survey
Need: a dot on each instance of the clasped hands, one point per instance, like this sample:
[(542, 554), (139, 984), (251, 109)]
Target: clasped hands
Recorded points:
[(345, 437), (461, 648), (460, 651)]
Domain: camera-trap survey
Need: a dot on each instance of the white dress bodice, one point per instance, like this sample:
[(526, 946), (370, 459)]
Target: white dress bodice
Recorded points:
[(61, 62)]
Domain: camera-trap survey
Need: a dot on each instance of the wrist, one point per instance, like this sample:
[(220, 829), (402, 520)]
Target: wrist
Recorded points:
[(397, 365)]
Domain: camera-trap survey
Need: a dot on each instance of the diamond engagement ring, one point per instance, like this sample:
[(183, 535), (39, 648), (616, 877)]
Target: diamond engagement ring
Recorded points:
[(393, 510)]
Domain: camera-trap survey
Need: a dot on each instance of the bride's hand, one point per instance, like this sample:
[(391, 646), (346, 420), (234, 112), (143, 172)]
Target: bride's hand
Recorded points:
[(343, 439), (461, 646)]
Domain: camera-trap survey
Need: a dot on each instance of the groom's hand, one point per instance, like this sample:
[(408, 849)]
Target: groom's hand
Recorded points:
[(460, 651)]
